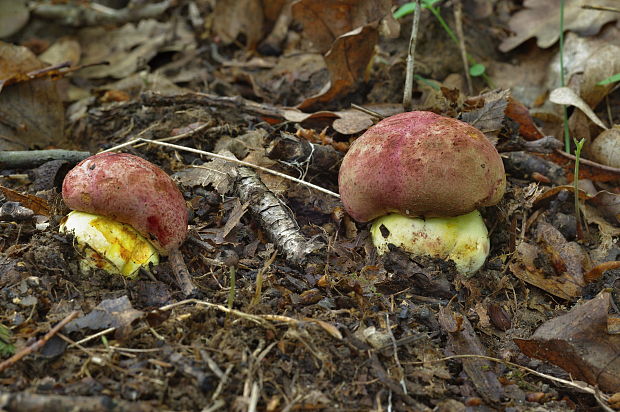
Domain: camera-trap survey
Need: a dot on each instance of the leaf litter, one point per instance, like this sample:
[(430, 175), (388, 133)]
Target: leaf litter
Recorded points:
[(317, 320)]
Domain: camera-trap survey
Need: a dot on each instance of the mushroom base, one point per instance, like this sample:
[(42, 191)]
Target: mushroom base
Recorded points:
[(107, 244), (463, 239)]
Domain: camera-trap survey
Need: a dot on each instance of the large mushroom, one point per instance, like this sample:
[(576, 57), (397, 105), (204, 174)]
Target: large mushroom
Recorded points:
[(422, 177), (126, 210)]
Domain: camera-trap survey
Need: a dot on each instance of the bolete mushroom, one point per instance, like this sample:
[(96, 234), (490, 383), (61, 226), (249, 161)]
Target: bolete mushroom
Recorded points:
[(126, 210), (422, 176)]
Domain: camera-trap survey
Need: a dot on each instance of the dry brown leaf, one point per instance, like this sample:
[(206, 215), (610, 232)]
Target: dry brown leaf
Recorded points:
[(579, 343), (248, 18), (14, 15), (353, 121), (547, 270), (606, 147), (290, 80), (608, 204), (462, 339), (232, 18), (596, 272), (517, 112), (324, 21), (567, 96), (541, 18), (32, 111), (489, 118), (130, 47), (35, 203), (346, 61), (116, 313), (65, 49)]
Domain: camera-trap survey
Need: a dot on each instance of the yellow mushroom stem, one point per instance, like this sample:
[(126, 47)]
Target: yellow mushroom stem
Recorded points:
[(463, 239), (109, 245)]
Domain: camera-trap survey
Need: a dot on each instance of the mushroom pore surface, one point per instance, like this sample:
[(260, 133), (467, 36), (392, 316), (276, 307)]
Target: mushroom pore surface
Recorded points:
[(130, 190), (420, 164)]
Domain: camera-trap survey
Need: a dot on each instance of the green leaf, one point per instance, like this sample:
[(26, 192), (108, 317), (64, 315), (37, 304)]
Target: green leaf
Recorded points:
[(477, 69), (6, 349), (408, 8), (429, 3), (611, 79), (404, 10), (427, 82)]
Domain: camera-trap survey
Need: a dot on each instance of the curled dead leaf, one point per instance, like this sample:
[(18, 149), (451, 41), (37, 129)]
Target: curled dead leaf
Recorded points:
[(579, 343), (539, 18), (567, 96)]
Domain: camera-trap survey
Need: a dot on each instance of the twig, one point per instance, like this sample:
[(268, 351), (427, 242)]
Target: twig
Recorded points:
[(396, 359), (228, 159), (38, 344), (93, 336), (207, 125), (591, 163), (254, 397), (408, 93), (233, 286), (601, 8), (367, 111), (259, 279), (458, 18), (182, 276)]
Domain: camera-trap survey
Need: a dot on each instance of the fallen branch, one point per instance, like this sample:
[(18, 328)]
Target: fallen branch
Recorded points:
[(26, 159), (274, 218)]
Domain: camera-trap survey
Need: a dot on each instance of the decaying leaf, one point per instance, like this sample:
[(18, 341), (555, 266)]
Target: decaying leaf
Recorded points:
[(31, 111), (517, 112), (462, 340), (540, 19), (596, 272), (324, 21), (353, 121), (14, 14), (554, 265), (489, 118), (606, 147), (116, 313), (346, 61), (35, 203), (579, 343), (65, 49), (216, 173), (232, 18), (587, 61), (566, 95), (129, 47)]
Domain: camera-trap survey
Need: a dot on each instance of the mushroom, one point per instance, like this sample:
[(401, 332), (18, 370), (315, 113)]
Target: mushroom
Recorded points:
[(421, 177), (126, 210)]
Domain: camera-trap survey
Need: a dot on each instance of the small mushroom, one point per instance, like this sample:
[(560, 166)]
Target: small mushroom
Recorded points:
[(126, 210), (426, 175)]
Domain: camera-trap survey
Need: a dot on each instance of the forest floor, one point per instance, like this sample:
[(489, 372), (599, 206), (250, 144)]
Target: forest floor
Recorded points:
[(314, 319)]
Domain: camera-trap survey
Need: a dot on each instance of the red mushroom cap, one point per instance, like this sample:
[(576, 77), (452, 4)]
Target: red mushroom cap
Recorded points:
[(130, 190), (420, 164)]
